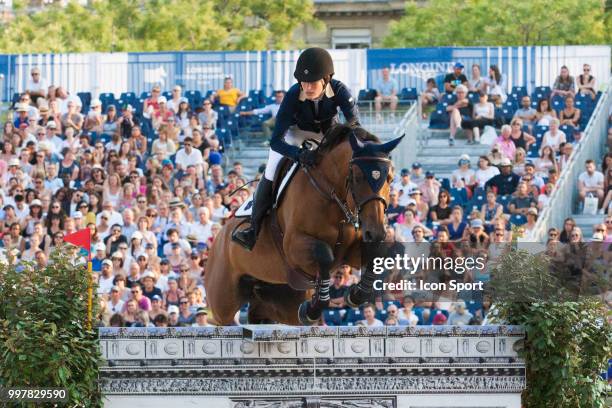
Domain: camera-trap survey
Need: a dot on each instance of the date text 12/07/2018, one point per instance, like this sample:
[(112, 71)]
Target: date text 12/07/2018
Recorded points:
[(452, 285), (27, 394)]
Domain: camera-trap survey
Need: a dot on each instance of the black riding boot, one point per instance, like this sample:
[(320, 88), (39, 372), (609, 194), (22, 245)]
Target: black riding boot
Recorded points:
[(262, 201)]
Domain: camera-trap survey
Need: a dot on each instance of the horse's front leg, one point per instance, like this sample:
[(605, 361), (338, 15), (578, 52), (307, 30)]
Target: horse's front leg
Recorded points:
[(361, 292), (315, 257)]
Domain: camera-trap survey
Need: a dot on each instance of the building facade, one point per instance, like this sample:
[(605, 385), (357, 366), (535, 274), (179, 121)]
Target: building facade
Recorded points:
[(351, 24)]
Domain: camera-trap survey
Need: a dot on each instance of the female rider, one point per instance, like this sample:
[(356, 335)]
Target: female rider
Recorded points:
[(308, 110)]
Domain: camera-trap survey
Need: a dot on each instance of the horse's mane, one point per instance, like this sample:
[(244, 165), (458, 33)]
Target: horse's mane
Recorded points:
[(339, 133)]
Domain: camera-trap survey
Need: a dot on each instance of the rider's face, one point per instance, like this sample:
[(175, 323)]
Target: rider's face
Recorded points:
[(313, 89)]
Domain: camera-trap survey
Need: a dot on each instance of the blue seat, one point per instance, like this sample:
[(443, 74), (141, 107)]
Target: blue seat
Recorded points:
[(382, 315), (332, 317), (444, 183), (518, 92), (167, 95), (544, 90), (458, 196), (354, 315), (366, 95), (449, 98), (85, 99), (569, 132), (258, 97), (473, 97), (439, 119), (558, 103), (408, 94), (518, 219), (145, 95), (504, 200)]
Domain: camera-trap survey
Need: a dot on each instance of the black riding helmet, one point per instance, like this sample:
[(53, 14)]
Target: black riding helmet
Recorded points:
[(313, 65)]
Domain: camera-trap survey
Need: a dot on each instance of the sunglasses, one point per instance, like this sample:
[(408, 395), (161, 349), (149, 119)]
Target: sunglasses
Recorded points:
[(183, 303), (142, 202), (135, 291), (599, 230)]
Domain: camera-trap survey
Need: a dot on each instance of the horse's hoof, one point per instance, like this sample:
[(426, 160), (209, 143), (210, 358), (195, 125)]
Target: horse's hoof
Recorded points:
[(303, 315), (357, 299)]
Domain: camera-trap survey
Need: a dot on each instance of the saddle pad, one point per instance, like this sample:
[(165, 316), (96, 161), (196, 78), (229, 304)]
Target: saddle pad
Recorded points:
[(246, 207)]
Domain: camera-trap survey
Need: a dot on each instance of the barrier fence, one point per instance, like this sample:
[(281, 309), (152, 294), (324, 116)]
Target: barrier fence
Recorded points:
[(269, 70)]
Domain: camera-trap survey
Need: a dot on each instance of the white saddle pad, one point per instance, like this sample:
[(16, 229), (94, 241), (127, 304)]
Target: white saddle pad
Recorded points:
[(246, 207)]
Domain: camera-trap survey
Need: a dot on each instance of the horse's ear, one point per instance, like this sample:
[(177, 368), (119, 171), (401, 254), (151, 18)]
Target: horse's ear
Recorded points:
[(389, 146), (356, 144)]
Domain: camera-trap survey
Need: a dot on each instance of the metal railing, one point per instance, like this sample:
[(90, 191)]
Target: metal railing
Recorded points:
[(405, 154), (591, 146)]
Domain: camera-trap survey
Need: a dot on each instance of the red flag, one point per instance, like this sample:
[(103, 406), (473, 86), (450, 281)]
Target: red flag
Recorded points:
[(81, 239)]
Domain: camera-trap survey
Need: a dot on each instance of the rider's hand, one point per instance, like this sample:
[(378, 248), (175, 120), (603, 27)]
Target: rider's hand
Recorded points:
[(307, 157)]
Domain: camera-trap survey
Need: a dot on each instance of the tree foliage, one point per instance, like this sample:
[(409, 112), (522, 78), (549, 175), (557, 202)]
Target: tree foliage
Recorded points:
[(156, 25), (568, 341), (44, 340), (501, 22)]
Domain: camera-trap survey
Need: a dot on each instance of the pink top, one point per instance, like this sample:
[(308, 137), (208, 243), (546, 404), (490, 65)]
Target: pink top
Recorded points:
[(507, 147)]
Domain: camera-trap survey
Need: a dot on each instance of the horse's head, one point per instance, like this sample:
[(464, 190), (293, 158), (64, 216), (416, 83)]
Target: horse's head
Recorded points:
[(369, 182)]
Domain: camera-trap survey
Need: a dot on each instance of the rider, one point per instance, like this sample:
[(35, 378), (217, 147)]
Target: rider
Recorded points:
[(308, 110)]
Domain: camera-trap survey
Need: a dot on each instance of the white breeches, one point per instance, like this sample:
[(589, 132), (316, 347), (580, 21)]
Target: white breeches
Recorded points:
[(295, 137)]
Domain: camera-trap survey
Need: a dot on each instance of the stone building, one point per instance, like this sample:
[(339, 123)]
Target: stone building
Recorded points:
[(351, 23)]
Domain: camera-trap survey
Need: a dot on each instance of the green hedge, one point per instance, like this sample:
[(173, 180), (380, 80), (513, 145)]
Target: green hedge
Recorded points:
[(44, 341), (569, 339)]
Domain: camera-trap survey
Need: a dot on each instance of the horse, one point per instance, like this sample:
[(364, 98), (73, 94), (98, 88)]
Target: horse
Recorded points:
[(327, 212)]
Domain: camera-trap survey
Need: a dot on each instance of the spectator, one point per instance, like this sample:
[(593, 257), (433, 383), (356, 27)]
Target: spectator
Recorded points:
[(150, 105), (586, 82), (554, 137), (564, 84), (176, 100), (270, 109), (460, 114), (208, 116), (143, 302), (522, 200), (173, 316), (476, 83), (491, 210), (386, 93), (420, 206), (201, 318), (455, 78), (526, 113), (520, 138), (536, 180), (394, 210), (506, 182), (505, 142), (337, 291), (115, 303), (185, 317), (456, 227), (463, 177), (441, 212), (157, 308), (544, 198), (570, 115), (459, 315), (483, 115), (370, 317), (106, 279), (37, 86), (406, 315), (416, 173), (430, 96), (430, 189), (545, 113), (495, 86), (403, 186), (520, 161), (147, 280), (188, 156), (591, 182), (546, 162), (568, 225), (228, 96)]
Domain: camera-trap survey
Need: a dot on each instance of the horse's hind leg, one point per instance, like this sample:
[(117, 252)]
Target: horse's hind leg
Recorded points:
[(223, 297), (314, 257)]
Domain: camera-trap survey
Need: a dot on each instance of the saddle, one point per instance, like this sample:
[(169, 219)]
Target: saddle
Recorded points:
[(287, 169)]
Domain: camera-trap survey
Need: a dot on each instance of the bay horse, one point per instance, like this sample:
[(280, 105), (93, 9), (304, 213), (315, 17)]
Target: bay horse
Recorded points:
[(325, 214)]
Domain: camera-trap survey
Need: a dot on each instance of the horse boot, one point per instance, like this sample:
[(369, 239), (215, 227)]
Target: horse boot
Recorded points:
[(262, 201)]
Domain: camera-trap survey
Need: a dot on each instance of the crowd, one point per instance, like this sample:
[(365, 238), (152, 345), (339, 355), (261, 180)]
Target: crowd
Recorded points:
[(155, 205)]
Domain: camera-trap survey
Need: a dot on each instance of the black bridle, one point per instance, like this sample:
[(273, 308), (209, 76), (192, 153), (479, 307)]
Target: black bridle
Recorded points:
[(360, 203), (326, 189)]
